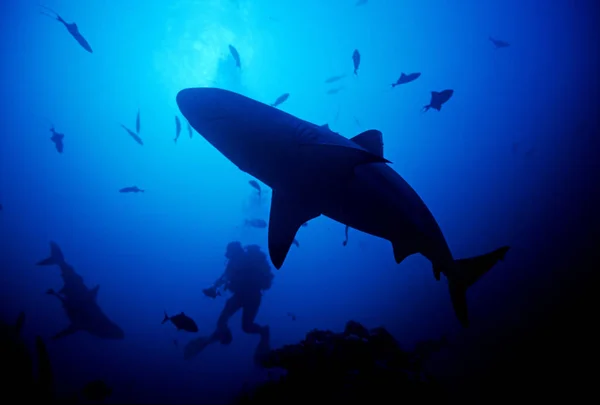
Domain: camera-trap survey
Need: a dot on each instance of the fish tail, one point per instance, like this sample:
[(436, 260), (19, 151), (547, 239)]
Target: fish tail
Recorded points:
[(56, 257), (465, 273), (426, 108), (166, 318)]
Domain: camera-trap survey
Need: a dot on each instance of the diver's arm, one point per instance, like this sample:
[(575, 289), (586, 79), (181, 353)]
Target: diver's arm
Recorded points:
[(220, 281)]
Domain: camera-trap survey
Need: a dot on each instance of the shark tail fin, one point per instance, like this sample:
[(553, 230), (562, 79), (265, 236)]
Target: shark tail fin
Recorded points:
[(56, 256), (466, 273), (166, 318)]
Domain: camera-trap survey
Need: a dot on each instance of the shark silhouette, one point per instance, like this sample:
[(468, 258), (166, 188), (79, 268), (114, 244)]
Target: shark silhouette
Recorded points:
[(314, 171), (79, 302)]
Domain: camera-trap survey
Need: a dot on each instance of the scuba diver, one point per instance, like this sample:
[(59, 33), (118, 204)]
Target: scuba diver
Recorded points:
[(247, 274)]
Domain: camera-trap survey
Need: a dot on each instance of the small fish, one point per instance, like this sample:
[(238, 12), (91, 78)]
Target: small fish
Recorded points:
[(291, 315), (132, 189), (334, 79), (236, 56), (498, 43), (133, 135), (296, 243), (437, 99), (96, 390), (404, 78), (189, 128), (57, 139), (256, 223), (177, 129), (356, 60), (280, 99), (72, 28), (137, 122), (335, 90), (255, 185), (182, 322), (344, 243)]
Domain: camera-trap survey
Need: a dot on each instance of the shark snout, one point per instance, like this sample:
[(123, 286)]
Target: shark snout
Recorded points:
[(202, 105)]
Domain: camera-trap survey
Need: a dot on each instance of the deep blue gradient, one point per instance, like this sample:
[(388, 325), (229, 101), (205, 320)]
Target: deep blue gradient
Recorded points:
[(510, 160)]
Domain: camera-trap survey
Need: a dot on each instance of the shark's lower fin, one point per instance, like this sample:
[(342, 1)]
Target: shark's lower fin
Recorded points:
[(66, 332), (288, 213), (402, 250), (466, 273), (56, 256)]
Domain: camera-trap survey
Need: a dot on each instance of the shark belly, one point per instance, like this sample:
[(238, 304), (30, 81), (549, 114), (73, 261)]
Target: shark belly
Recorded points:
[(378, 201)]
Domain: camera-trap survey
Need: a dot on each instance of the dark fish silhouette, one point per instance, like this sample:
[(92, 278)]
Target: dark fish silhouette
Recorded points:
[(356, 60), (137, 122), (236, 56), (334, 79), (404, 78), (280, 99), (438, 99), (345, 242), (255, 185), (498, 43), (291, 315), (378, 208), (57, 139), (296, 243), (133, 135), (256, 223), (182, 322), (132, 189), (79, 302), (72, 28), (335, 90), (96, 390), (177, 129), (189, 128)]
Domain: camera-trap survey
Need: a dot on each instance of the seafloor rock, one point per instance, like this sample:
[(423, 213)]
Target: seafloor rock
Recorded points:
[(357, 364)]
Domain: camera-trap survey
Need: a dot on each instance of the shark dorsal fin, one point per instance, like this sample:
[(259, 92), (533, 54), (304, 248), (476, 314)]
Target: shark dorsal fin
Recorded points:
[(288, 213), (326, 126), (402, 75), (371, 140), (94, 292)]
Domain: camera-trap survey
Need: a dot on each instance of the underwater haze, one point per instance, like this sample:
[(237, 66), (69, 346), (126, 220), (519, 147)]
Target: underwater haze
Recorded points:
[(509, 160)]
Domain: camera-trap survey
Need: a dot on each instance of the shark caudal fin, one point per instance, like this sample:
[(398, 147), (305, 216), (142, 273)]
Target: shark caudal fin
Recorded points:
[(56, 256), (466, 273), (165, 319)]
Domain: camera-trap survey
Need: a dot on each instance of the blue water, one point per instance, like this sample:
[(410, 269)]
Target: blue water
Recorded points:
[(507, 161)]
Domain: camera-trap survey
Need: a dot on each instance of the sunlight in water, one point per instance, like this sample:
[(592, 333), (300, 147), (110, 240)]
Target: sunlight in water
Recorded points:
[(194, 50)]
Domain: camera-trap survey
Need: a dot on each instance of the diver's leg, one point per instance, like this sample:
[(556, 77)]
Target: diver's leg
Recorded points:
[(251, 304), (222, 333)]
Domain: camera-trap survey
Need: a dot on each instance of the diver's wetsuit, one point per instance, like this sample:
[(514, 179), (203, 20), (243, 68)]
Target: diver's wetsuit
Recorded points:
[(244, 276)]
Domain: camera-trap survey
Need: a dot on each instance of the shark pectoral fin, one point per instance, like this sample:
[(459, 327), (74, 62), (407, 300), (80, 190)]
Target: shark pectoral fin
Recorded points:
[(288, 213), (371, 140), (94, 292), (66, 332)]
